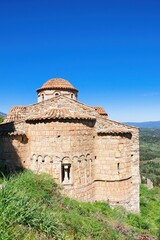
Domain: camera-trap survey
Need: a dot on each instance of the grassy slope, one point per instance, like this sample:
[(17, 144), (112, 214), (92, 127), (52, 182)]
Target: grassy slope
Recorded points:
[(150, 154), (32, 207)]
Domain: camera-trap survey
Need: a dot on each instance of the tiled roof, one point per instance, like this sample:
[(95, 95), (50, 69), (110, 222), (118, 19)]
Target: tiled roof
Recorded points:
[(57, 83), (113, 131), (60, 114), (17, 113), (100, 110)]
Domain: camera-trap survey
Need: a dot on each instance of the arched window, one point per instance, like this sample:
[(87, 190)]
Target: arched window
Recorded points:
[(66, 173), (57, 94)]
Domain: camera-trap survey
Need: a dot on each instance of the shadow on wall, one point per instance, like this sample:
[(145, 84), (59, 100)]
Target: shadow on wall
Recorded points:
[(11, 143)]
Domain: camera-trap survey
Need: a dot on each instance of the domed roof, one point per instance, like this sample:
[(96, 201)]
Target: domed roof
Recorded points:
[(57, 83)]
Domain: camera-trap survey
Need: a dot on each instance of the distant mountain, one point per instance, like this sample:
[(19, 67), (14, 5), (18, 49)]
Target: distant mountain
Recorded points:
[(151, 124), (2, 114)]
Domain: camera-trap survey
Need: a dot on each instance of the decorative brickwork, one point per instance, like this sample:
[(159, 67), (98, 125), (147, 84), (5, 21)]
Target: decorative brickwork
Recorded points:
[(94, 158)]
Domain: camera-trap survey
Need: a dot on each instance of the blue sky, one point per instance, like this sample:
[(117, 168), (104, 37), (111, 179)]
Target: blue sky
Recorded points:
[(108, 49)]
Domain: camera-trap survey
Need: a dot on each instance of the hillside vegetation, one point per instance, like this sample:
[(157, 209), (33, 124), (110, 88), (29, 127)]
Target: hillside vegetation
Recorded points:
[(3, 115), (1, 119), (32, 208), (150, 154)]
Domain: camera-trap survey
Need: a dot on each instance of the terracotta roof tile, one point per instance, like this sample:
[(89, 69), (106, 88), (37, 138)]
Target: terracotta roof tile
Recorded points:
[(57, 83), (17, 113), (113, 131), (60, 114), (100, 110)]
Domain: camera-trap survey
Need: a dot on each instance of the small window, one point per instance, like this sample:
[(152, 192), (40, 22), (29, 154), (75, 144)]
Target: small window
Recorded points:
[(57, 94), (66, 173), (22, 139), (42, 97), (118, 167), (72, 95)]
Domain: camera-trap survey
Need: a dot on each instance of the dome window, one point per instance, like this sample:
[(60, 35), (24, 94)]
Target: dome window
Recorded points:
[(57, 94), (56, 87)]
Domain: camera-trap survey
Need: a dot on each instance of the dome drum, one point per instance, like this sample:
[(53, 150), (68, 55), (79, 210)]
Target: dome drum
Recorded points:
[(55, 87)]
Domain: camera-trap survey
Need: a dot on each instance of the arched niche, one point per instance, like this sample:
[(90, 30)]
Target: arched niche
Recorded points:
[(40, 159), (81, 158), (34, 158), (34, 162), (75, 159), (47, 159)]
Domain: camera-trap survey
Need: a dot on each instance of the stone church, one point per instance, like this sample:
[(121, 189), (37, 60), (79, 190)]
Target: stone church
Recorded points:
[(93, 157)]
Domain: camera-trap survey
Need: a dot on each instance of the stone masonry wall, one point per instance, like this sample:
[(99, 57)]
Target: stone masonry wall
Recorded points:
[(55, 143), (134, 201), (116, 167), (14, 151)]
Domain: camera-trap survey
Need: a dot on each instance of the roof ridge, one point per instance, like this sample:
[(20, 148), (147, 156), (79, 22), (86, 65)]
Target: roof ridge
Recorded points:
[(60, 113)]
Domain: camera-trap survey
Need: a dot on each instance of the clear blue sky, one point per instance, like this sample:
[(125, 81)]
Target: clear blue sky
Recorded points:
[(108, 49)]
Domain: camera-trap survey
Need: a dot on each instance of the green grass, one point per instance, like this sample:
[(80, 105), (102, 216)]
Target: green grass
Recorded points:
[(149, 218), (32, 208), (25, 203)]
